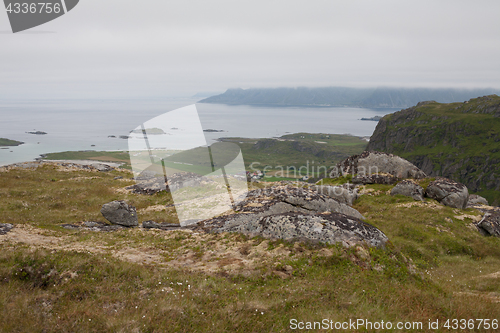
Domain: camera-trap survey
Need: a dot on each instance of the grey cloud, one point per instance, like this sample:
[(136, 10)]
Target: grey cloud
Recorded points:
[(129, 48)]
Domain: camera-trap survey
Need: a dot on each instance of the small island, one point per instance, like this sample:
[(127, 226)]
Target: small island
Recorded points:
[(376, 118), (37, 133), (9, 143), (212, 131), (150, 131)]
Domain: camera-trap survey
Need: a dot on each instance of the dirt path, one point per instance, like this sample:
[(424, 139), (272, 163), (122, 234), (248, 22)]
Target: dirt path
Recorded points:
[(208, 253)]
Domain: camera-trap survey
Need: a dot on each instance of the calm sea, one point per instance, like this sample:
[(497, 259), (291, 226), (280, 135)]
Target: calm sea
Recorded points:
[(87, 125)]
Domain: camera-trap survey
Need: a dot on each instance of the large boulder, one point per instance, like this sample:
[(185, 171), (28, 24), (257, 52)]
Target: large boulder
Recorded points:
[(374, 162), (409, 188), (318, 227), (475, 199), (490, 224), (119, 212), (379, 178), (345, 194), (448, 192)]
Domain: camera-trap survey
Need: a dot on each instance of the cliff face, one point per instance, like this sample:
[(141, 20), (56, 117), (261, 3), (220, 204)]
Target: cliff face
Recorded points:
[(460, 141)]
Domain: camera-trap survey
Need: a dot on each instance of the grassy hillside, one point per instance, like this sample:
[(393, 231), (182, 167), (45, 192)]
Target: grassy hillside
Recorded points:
[(458, 140), (9, 143), (52, 279)]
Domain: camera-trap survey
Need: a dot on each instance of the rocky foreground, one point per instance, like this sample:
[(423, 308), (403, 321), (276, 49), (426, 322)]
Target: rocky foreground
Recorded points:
[(311, 213)]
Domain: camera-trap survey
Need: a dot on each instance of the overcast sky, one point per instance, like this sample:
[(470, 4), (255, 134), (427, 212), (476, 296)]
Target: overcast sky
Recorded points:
[(158, 48)]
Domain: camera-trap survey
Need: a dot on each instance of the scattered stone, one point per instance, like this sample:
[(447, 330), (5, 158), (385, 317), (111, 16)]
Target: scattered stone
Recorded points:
[(119, 212), (119, 177), (5, 228), (490, 224), (163, 226), (373, 162), (448, 192), (410, 189), (328, 228), (346, 193), (475, 199), (93, 226)]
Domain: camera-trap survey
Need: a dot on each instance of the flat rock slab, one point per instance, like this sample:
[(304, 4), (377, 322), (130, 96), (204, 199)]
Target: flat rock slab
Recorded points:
[(93, 226), (448, 192), (5, 228), (328, 228), (164, 226)]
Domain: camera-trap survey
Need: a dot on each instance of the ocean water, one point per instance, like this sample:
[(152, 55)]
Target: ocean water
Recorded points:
[(87, 124)]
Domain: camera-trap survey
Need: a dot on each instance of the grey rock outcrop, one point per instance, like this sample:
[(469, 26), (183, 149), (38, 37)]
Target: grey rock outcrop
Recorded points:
[(327, 228), (345, 194), (448, 192), (410, 189), (284, 199), (102, 167), (490, 224), (119, 212), (475, 199), (374, 162), (5, 228)]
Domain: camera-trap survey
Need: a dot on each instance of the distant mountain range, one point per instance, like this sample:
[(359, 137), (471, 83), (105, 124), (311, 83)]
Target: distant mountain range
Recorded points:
[(345, 97)]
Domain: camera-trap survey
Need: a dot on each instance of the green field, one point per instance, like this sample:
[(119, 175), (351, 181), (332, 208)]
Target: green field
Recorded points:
[(278, 156)]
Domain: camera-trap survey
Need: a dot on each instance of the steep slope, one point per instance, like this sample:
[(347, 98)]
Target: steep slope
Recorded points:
[(460, 141)]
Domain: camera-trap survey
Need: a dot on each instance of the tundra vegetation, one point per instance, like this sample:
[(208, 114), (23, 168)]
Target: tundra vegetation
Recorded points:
[(436, 265)]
